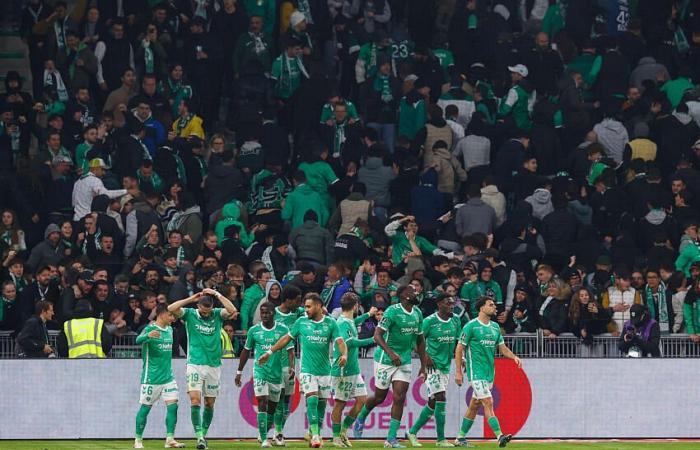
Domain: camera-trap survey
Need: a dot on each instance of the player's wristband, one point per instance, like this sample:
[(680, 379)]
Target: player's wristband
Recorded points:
[(239, 372), (269, 352)]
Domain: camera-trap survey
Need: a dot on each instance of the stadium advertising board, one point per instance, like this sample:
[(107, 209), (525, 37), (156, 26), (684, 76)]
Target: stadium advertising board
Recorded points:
[(592, 398)]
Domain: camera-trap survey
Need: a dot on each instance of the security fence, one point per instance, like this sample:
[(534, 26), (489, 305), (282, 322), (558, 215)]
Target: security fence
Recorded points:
[(525, 345)]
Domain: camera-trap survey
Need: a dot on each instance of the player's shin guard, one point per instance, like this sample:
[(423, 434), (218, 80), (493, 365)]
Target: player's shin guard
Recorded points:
[(141, 418), (466, 426), (170, 420), (196, 416), (425, 415), (495, 426), (440, 420), (321, 413), (312, 414), (262, 425), (207, 417), (347, 423)]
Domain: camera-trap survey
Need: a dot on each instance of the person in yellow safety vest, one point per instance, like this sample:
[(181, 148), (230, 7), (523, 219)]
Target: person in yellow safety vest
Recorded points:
[(84, 336), (227, 341)]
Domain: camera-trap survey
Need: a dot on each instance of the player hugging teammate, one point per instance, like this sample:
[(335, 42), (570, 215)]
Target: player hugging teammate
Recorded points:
[(329, 364)]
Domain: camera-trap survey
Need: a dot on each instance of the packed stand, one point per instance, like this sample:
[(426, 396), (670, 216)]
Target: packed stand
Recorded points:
[(543, 153)]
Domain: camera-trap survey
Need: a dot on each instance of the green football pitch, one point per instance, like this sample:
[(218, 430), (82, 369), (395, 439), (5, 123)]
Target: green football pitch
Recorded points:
[(249, 445)]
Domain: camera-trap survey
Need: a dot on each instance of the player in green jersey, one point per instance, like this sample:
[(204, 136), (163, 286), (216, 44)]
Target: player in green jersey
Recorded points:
[(316, 333), (441, 332), (478, 341), (347, 381), (157, 380), (286, 313), (397, 335), (267, 379), (203, 326)]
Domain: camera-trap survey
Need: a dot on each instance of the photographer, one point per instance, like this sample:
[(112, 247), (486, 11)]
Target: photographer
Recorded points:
[(641, 334)]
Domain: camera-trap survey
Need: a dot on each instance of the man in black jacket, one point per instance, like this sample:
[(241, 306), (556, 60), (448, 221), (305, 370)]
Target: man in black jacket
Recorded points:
[(641, 334), (545, 66), (33, 340)]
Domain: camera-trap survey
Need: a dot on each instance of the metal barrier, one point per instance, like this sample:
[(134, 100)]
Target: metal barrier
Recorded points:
[(525, 345)]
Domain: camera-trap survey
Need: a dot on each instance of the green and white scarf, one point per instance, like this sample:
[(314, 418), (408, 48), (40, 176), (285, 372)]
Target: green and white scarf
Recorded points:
[(59, 29), (382, 84), (146, 153), (339, 137), (328, 292), (148, 56), (182, 123), (60, 85), (655, 301)]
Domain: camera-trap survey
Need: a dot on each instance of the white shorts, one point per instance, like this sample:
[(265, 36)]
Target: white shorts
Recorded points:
[(481, 389), (263, 388), (346, 388), (287, 382), (316, 383), (150, 393), (385, 374), (436, 382), (204, 379)]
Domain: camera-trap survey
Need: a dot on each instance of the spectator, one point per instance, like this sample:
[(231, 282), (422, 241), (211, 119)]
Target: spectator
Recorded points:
[(90, 186), (311, 242), (475, 216), (553, 311), (619, 299), (33, 339), (302, 199), (76, 332), (586, 316)]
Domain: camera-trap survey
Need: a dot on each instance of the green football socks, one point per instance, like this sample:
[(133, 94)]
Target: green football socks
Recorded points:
[(347, 423), (281, 413), (425, 415), (394, 426), (207, 416), (336, 430), (141, 418), (364, 412), (466, 426), (170, 419), (440, 420), (196, 416), (495, 426), (312, 414), (321, 413), (262, 425)]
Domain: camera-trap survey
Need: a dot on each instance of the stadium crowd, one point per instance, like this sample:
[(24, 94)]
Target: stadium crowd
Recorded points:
[(543, 153)]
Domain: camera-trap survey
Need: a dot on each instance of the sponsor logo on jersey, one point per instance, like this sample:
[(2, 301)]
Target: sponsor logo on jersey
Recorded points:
[(205, 329)]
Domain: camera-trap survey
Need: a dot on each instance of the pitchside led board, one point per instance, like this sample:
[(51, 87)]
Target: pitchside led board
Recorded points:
[(550, 398)]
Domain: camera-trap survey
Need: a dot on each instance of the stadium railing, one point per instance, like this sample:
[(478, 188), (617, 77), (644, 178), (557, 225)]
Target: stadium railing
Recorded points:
[(525, 345)]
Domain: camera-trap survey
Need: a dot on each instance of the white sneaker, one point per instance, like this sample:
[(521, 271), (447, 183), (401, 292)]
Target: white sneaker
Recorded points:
[(172, 443), (138, 443), (344, 438), (266, 444), (316, 442), (307, 436), (337, 442), (278, 441)]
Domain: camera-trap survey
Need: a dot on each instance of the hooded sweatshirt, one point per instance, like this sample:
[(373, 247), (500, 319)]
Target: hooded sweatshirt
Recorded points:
[(541, 201), (613, 136), (230, 215), (496, 200), (268, 286)]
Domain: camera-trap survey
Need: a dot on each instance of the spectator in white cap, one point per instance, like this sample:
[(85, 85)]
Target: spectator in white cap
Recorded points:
[(520, 99), (89, 186), (297, 30)]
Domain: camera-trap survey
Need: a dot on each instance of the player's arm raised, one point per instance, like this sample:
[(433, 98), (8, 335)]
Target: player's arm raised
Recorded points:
[(279, 345), (505, 351), (230, 310), (176, 307)]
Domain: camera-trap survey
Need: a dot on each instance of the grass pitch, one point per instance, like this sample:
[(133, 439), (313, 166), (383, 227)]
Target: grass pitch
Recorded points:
[(250, 445)]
